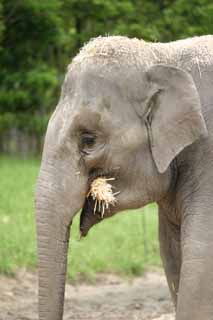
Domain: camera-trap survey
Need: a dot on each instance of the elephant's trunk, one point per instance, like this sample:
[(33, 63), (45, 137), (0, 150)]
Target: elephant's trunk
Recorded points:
[(57, 200), (52, 255)]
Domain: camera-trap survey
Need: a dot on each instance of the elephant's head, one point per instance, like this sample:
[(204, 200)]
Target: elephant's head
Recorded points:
[(120, 115)]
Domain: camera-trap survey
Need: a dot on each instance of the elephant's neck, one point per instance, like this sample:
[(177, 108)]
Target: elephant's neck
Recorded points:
[(168, 204)]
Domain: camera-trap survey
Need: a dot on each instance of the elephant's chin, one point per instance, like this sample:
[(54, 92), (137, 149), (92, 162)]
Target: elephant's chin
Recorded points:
[(89, 216)]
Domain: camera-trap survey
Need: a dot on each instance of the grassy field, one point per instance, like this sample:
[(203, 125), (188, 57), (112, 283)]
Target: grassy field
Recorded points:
[(126, 243)]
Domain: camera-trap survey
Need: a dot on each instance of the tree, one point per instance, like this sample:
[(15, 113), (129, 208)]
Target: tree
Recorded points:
[(184, 18), (28, 76)]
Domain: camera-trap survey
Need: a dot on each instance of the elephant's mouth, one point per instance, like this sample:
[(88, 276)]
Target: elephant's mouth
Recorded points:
[(88, 218), (93, 210)]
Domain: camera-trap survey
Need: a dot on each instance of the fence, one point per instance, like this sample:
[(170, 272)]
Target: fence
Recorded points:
[(15, 141)]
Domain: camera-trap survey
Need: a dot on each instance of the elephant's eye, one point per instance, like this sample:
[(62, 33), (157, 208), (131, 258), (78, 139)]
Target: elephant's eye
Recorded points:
[(87, 141)]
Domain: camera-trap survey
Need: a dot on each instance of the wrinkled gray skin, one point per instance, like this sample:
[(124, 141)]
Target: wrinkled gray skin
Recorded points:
[(140, 112)]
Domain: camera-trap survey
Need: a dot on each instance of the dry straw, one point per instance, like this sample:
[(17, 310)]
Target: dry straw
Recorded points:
[(102, 193)]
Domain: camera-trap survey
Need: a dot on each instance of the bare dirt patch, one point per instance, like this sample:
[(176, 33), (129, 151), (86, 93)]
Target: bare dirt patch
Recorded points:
[(111, 298)]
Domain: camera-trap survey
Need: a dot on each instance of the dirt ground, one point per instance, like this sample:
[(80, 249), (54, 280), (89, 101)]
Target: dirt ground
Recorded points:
[(111, 298)]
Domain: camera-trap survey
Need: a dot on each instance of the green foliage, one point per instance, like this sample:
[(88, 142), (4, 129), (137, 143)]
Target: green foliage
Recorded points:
[(28, 76), (23, 90), (1, 23), (39, 38), (24, 122), (123, 251), (186, 19)]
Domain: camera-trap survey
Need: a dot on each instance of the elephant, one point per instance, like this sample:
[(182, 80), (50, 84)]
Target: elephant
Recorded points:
[(140, 112)]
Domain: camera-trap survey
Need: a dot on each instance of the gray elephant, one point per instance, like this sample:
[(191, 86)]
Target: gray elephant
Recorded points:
[(141, 112)]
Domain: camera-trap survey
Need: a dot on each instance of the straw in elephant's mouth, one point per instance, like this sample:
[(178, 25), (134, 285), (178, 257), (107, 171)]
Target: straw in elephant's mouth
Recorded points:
[(98, 200), (102, 194)]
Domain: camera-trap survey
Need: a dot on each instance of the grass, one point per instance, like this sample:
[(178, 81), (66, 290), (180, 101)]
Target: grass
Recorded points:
[(125, 244)]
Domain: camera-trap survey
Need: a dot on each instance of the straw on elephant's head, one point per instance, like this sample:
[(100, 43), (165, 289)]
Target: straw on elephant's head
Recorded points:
[(102, 193)]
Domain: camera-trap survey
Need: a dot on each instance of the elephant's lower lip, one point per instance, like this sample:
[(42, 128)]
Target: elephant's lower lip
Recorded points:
[(89, 216)]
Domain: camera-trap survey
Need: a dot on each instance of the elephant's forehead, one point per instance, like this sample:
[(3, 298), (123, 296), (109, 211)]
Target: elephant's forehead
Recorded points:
[(108, 55), (108, 81), (92, 85)]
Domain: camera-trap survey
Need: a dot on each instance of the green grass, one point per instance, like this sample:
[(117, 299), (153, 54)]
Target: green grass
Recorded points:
[(115, 245)]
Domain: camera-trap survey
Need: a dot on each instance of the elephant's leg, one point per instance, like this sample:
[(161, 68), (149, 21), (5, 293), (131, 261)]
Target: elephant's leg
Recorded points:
[(195, 298), (169, 237)]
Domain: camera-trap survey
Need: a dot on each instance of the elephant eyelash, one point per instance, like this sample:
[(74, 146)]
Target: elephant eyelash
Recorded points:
[(87, 141)]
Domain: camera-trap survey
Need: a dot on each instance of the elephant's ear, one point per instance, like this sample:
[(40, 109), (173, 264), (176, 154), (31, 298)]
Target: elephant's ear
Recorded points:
[(175, 119)]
